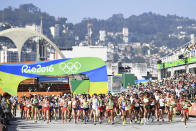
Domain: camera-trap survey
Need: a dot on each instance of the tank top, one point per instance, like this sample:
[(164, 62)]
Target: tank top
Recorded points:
[(152, 103), (123, 103), (64, 104), (35, 101), (161, 102), (146, 100), (172, 101), (28, 104), (85, 104), (110, 104), (128, 104), (46, 104), (100, 103), (137, 103), (74, 104), (95, 104), (185, 105)]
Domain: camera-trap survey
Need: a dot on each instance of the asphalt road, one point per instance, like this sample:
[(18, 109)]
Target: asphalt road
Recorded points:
[(177, 125)]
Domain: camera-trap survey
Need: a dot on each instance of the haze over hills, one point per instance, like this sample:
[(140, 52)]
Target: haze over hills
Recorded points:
[(169, 31)]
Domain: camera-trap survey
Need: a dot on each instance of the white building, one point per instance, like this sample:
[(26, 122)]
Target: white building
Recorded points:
[(34, 27), (102, 35), (136, 45), (138, 69), (86, 51), (55, 30), (125, 33), (8, 55), (192, 36)]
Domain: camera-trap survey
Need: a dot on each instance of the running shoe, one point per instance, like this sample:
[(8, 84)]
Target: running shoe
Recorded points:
[(115, 118), (142, 121), (124, 122)]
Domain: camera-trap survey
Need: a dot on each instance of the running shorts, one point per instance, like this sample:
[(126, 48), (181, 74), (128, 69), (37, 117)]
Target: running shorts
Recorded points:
[(46, 108), (64, 109), (109, 109), (100, 108), (162, 107), (185, 111)]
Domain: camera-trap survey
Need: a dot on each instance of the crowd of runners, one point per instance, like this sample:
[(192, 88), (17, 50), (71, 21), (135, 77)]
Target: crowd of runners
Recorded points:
[(143, 104)]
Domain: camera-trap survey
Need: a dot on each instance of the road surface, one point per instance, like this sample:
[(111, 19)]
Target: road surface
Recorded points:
[(177, 125)]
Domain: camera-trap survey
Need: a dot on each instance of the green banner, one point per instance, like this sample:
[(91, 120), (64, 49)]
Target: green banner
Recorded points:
[(128, 80), (176, 63), (80, 86)]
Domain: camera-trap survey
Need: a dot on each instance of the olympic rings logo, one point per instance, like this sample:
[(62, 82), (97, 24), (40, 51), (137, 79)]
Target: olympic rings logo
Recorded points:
[(70, 67)]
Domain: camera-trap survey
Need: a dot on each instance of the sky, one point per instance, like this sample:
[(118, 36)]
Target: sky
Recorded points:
[(76, 10)]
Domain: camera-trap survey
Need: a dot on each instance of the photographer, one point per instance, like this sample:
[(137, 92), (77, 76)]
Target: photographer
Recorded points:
[(5, 110)]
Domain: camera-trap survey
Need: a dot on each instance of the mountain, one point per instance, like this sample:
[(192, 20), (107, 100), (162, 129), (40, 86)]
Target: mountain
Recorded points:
[(171, 31)]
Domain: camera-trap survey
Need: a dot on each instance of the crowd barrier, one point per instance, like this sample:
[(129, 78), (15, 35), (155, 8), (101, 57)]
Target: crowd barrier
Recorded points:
[(192, 110)]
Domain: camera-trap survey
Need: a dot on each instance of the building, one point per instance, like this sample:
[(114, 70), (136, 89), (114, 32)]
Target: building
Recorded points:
[(192, 36), (85, 51), (8, 55), (102, 35), (138, 69), (183, 60), (125, 33), (55, 31), (34, 27)]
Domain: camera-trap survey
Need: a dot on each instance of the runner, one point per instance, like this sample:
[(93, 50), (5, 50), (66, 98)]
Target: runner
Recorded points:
[(161, 107), (185, 105), (109, 109), (64, 106), (94, 102), (146, 102), (35, 107), (46, 108), (75, 105), (100, 108), (85, 108)]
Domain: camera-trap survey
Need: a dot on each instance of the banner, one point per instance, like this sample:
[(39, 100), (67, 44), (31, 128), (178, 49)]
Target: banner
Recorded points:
[(192, 110), (80, 86), (12, 74), (177, 62), (128, 80), (117, 83)]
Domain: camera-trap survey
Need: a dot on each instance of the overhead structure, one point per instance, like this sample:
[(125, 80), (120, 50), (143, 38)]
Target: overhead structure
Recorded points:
[(12, 74), (20, 35)]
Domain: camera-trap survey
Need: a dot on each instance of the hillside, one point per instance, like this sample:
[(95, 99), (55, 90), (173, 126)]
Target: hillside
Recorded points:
[(171, 31)]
